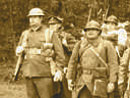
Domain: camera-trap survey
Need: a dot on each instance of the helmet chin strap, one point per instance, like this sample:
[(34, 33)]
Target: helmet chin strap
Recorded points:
[(94, 41), (92, 37)]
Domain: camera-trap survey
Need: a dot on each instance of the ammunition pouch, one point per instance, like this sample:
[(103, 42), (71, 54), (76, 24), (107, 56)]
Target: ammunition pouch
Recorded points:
[(100, 88), (100, 81), (48, 53)]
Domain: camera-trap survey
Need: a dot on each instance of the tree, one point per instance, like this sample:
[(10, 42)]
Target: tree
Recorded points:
[(13, 18)]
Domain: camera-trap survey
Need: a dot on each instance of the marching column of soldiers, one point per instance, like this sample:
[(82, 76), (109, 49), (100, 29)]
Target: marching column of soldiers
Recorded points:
[(58, 65)]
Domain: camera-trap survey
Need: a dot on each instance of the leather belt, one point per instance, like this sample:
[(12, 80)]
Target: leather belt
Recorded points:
[(34, 51), (87, 71)]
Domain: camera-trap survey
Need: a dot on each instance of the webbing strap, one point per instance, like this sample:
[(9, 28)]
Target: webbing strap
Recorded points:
[(48, 36), (99, 57)]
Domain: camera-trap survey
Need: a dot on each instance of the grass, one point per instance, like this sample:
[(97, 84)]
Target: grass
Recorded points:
[(12, 90)]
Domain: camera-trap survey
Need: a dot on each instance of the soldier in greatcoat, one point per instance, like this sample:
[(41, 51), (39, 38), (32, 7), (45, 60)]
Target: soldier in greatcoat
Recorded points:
[(93, 66)]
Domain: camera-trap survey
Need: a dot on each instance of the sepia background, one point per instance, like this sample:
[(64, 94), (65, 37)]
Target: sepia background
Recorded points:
[(13, 21)]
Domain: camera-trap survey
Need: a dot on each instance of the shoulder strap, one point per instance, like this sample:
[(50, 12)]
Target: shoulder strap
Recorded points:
[(83, 50), (99, 57), (48, 36), (25, 37), (83, 47)]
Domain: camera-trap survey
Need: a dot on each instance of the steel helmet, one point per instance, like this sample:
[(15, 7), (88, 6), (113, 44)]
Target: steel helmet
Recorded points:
[(36, 12), (112, 19), (55, 20), (92, 25)]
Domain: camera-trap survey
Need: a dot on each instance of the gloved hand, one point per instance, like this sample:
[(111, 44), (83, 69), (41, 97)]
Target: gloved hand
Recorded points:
[(121, 86), (120, 81), (58, 76), (65, 70), (19, 50), (110, 87), (70, 85), (64, 42)]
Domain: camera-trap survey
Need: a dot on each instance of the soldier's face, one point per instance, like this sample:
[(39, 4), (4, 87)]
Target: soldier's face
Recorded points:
[(92, 34), (35, 20), (55, 27)]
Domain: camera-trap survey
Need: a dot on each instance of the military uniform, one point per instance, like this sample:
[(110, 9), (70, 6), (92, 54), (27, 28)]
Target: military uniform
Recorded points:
[(123, 73), (90, 75), (36, 69), (63, 92), (68, 47), (68, 42), (117, 36)]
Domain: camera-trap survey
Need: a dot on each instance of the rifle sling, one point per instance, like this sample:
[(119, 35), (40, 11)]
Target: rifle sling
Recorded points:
[(96, 54), (99, 57)]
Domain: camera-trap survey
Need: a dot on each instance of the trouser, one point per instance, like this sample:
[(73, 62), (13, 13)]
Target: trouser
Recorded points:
[(85, 93), (39, 87), (114, 94), (57, 89), (65, 93)]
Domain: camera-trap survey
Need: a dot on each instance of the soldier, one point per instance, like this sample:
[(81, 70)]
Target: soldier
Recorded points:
[(93, 65), (117, 36), (55, 24), (41, 47), (123, 79), (111, 33), (124, 71)]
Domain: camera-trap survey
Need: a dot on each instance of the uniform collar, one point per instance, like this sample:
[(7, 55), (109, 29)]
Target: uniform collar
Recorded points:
[(38, 28), (95, 42)]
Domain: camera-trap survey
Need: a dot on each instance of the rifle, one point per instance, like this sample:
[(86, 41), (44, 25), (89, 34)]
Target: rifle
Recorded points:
[(18, 66), (107, 11), (90, 13)]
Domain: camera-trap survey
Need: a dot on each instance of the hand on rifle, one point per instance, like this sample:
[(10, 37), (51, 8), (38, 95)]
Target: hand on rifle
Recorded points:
[(19, 50)]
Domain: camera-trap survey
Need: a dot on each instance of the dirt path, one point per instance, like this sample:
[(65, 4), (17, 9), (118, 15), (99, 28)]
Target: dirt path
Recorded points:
[(12, 90)]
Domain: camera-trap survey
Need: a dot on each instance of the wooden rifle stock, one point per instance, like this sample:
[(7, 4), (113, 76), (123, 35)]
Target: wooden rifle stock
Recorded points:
[(18, 66)]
